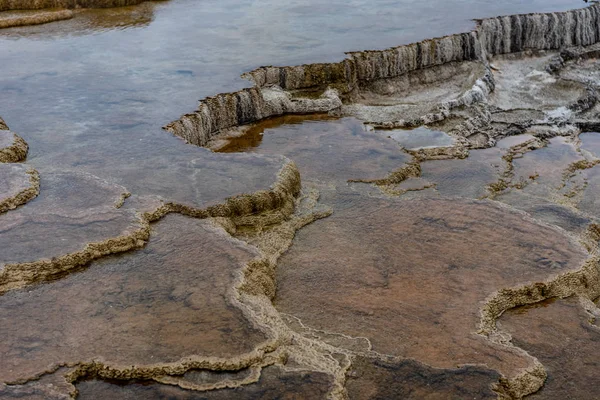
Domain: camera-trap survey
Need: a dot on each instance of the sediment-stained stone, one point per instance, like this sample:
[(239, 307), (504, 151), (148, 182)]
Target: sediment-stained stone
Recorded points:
[(210, 380), (407, 379), (336, 150), (12, 147), (560, 334), (274, 383), (171, 303), (18, 185), (415, 288)]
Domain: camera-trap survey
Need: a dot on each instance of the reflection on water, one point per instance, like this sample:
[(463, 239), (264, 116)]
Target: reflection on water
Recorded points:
[(420, 138)]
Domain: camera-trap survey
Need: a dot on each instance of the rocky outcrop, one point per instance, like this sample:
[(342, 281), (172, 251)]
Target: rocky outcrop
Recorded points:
[(12, 147), (491, 37), (6, 5), (38, 18), (229, 110)]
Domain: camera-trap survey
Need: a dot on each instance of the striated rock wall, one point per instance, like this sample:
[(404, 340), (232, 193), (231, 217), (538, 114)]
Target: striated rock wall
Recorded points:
[(492, 36), (6, 5), (390, 63), (229, 110), (551, 31)]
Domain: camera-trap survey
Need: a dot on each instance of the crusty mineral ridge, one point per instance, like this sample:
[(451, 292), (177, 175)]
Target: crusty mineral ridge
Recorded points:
[(274, 383), (26, 18), (40, 4), (165, 309), (565, 338), (418, 287), (12, 147), (18, 185)]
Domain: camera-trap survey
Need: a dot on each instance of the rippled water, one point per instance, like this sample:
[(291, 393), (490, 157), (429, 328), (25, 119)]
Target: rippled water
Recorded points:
[(92, 93)]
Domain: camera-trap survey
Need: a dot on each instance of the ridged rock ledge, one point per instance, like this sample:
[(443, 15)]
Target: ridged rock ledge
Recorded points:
[(316, 88)]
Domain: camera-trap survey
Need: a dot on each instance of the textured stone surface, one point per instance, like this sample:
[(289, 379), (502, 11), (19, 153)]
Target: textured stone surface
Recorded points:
[(562, 336), (171, 304), (411, 96), (404, 278), (416, 288)]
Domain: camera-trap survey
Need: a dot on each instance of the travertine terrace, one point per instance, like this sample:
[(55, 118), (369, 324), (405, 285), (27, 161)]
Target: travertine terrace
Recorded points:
[(15, 13), (415, 223)]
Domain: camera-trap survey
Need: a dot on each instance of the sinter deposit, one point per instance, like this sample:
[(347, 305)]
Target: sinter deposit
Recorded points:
[(443, 242)]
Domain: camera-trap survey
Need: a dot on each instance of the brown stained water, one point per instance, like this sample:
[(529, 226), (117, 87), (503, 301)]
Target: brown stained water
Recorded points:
[(466, 178), (334, 150)]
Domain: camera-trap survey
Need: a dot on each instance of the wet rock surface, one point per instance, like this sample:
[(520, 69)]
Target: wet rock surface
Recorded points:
[(167, 308), (562, 335), (394, 291), (274, 383), (369, 282), (40, 4)]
